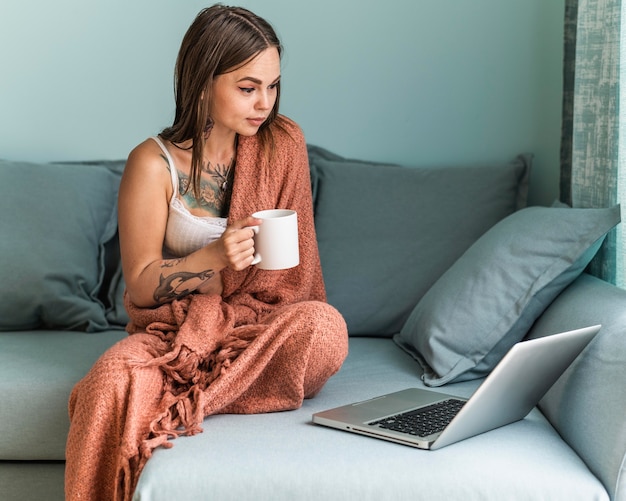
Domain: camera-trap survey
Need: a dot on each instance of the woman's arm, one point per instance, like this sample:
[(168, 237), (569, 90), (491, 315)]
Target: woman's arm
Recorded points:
[(144, 195)]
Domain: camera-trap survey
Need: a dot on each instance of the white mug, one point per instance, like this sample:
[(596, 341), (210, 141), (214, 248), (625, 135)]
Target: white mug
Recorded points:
[(276, 240)]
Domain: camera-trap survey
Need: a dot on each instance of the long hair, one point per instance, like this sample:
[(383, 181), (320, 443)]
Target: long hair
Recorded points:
[(219, 40)]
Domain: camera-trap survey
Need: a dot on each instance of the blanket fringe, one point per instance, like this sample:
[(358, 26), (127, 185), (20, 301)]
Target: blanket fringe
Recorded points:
[(188, 376)]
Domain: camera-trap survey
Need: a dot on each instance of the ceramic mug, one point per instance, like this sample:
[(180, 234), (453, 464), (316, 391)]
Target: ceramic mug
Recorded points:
[(276, 240)]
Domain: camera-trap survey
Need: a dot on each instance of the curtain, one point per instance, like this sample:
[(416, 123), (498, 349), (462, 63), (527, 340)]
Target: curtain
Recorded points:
[(590, 152)]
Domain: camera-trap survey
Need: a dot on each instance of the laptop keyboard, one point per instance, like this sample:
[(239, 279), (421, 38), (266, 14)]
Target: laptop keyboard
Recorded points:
[(424, 421)]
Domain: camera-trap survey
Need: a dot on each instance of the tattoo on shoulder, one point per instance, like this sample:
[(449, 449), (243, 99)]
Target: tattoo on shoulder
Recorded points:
[(167, 162), (180, 284)]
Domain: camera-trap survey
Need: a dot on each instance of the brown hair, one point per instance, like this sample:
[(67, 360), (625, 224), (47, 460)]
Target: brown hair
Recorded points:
[(219, 40)]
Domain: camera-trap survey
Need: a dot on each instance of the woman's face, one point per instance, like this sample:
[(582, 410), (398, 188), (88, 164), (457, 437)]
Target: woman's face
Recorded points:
[(243, 98)]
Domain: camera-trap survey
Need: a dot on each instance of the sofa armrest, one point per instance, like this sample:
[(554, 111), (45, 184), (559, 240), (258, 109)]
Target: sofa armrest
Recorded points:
[(587, 404)]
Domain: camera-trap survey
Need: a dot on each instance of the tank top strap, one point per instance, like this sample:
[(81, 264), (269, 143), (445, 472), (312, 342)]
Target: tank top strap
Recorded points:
[(173, 172)]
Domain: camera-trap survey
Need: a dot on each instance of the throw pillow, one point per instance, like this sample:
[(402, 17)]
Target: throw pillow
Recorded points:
[(488, 300), (57, 218), (116, 313), (386, 233), (113, 285)]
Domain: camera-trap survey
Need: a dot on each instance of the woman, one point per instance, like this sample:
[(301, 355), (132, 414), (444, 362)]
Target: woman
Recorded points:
[(209, 332)]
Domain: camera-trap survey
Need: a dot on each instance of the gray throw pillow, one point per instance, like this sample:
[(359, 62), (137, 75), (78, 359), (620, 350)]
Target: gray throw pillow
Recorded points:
[(386, 233), (116, 313), (56, 221), (488, 300)]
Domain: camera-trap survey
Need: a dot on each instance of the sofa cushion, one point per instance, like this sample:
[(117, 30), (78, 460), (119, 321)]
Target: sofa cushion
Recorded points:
[(57, 219), (38, 370), (586, 405), (116, 313), (26, 480), (488, 300), (283, 456), (113, 284), (386, 233)]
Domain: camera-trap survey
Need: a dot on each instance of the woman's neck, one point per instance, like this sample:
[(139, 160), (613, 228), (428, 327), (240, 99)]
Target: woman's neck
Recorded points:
[(220, 147)]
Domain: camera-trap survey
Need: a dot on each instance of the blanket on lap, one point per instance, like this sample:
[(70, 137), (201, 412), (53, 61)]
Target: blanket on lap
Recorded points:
[(213, 366)]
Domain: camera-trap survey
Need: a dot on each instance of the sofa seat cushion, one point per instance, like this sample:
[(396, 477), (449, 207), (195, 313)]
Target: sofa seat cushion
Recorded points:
[(284, 456), (38, 370)]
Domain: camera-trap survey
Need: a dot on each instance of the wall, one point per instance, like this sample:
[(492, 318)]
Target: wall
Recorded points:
[(417, 82)]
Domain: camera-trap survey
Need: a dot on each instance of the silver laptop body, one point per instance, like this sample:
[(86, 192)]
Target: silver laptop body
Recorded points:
[(507, 395)]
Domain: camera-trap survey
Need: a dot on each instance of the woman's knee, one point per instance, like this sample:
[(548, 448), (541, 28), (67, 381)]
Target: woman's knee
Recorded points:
[(329, 347), (329, 325)]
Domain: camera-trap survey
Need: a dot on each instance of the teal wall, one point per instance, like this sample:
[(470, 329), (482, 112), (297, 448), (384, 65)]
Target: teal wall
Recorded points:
[(417, 82)]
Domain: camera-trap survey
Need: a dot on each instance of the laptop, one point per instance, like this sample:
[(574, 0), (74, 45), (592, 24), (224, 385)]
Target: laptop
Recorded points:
[(428, 419)]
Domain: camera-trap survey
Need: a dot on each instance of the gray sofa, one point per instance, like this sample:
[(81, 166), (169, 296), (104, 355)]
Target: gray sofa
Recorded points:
[(438, 271)]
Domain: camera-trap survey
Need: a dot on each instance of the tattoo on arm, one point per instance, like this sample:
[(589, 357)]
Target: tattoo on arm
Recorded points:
[(170, 263), (180, 284)]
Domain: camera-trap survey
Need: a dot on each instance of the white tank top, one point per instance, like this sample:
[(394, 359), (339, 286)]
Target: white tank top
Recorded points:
[(185, 232)]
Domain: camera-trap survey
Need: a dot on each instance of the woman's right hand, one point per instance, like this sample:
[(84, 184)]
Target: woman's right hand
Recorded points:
[(236, 245)]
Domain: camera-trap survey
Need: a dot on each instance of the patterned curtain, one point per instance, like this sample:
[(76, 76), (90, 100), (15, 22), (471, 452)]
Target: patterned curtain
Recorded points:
[(590, 143)]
